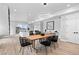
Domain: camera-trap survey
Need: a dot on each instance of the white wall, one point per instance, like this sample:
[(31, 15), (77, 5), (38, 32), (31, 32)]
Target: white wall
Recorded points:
[(41, 25), (31, 26), (69, 25), (56, 23), (37, 26), (13, 28), (4, 26)]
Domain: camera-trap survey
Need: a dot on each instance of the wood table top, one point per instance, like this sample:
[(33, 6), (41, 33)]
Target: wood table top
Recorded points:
[(35, 37)]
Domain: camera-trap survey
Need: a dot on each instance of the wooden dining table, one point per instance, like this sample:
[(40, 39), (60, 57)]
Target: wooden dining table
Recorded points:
[(37, 37)]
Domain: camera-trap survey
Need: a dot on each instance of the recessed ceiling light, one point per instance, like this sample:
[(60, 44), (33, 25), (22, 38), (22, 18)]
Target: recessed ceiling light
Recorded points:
[(15, 10), (68, 5)]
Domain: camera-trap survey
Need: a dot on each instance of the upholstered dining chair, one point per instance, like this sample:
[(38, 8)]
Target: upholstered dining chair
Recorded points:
[(54, 40), (31, 33), (45, 42), (24, 43)]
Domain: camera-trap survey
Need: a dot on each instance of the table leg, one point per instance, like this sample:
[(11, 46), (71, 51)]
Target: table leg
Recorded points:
[(33, 44)]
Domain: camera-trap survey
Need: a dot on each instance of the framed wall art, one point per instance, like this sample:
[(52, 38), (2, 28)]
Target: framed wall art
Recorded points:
[(50, 25)]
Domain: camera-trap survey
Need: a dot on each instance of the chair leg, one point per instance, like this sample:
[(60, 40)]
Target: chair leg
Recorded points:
[(22, 50), (57, 44), (46, 50), (54, 46), (51, 48), (31, 48)]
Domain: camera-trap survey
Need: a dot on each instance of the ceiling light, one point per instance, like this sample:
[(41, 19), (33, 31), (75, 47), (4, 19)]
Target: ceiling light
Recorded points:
[(15, 10), (68, 5)]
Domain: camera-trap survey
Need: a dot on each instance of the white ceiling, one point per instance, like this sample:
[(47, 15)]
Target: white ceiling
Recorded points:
[(32, 11)]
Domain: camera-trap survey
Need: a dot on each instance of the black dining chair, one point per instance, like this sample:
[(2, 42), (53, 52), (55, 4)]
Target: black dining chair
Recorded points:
[(37, 32), (54, 40), (24, 42), (46, 42), (31, 33)]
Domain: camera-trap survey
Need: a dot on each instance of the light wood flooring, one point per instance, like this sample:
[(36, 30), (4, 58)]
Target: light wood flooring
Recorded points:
[(11, 46)]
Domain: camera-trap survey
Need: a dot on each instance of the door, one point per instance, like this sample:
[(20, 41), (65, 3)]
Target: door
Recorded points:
[(77, 31), (70, 28)]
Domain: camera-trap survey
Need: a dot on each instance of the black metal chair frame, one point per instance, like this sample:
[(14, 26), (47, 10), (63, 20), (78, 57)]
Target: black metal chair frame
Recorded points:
[(24, 43), (44, 43), (54, 40)]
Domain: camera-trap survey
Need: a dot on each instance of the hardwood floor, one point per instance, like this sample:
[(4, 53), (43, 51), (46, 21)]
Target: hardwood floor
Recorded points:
[(11, 46)]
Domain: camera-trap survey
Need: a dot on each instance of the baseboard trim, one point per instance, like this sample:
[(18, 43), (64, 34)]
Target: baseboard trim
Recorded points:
[(69, 41)]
